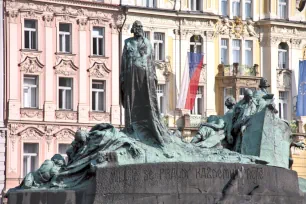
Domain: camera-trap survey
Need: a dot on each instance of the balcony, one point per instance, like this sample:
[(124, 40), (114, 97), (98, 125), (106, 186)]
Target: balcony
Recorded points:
[(231, 81), (238, 70)]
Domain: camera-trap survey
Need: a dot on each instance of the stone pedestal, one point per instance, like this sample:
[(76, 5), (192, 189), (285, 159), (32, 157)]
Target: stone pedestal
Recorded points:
[(178, 183)]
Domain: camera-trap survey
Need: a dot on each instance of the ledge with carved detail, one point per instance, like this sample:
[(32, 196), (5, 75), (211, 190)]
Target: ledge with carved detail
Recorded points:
[(97, 116), (66, 115), (98, 57), (31, 114), (283, 78), (31, 51), (238, 70)]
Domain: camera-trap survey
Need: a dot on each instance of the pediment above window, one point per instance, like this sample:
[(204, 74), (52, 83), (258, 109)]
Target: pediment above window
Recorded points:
[(99, 70), (31, 65), (65, 134), (66, 67), (31, 133)]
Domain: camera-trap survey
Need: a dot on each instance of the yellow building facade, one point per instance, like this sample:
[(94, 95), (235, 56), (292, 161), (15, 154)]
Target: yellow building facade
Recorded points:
[(242, 41)]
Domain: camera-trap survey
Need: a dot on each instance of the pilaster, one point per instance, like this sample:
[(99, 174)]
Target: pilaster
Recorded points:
[(49, 106), (83, 107), (115, 108)]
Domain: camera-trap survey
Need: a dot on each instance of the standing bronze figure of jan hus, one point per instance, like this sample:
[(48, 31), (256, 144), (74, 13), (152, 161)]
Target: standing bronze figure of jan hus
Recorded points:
[(138, 89)]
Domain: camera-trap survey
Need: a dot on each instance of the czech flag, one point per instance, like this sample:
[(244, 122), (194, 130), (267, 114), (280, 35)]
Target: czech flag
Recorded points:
[(190, 81)]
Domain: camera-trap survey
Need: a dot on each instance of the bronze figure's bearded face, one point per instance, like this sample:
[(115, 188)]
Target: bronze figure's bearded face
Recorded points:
[(137, 29)]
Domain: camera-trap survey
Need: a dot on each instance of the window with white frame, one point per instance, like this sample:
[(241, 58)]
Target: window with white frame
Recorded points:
[(283, 104), (30, 34), (65, 93), (98, 95), (65, 37), (30, 91), (283, 56), (98, 41), (30, 157), (159, 46), (228, 91), (149, 3), (236, 44), (195, 5), (248, 53), (160, 92), (224, 51), (248, 9), (147, 34), (235, 8), (196, 44), (198, 102), (282, 8), (224, 7), (62, 148)]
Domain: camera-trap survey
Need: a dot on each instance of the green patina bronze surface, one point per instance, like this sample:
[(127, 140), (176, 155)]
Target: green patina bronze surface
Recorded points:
[(242, 135)]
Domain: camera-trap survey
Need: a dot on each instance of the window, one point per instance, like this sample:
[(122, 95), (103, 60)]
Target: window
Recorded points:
[(159, 46), (147, 34), (282, 8), (30, 91), (65, 37), (283, 56), (195, 5), (30, 34), (236, 51), (227, 93), (224, 51), (236, 8), (98, 95), (65, 93), (98, 41), (62, 148), (196, 44), (30, 158), (224, 7), (150, 3), (283, 101), (160, 90), (198, 103), (248, 9), (248, 53)]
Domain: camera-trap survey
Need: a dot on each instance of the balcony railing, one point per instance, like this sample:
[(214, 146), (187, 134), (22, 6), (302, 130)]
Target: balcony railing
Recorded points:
[(238, 70)]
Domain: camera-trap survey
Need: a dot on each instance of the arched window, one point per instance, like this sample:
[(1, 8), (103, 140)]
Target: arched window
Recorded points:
[(283, 56), (196, 43)]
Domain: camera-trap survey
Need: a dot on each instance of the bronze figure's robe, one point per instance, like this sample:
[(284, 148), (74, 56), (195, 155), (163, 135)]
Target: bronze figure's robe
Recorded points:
[(138, 91)]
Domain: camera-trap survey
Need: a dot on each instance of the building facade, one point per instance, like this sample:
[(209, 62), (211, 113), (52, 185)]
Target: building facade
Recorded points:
[(2, 85), (62, 75), (62, 64)]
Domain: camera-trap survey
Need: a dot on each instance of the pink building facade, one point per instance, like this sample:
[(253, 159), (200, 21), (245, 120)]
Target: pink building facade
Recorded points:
[(62, 72)]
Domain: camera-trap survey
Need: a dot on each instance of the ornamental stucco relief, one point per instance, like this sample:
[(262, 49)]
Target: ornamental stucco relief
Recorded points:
[(31, 113), (31, 65), (65, 134), (235, 28), (99, 116), (66, 67), (66, 115), (31, 133), (99, 70), (284, 78)]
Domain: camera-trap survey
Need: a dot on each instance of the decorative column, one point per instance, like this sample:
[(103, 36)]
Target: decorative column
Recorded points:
[(13, 74), (115, 108), (211, 66), (83, 107), (49, 105)]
